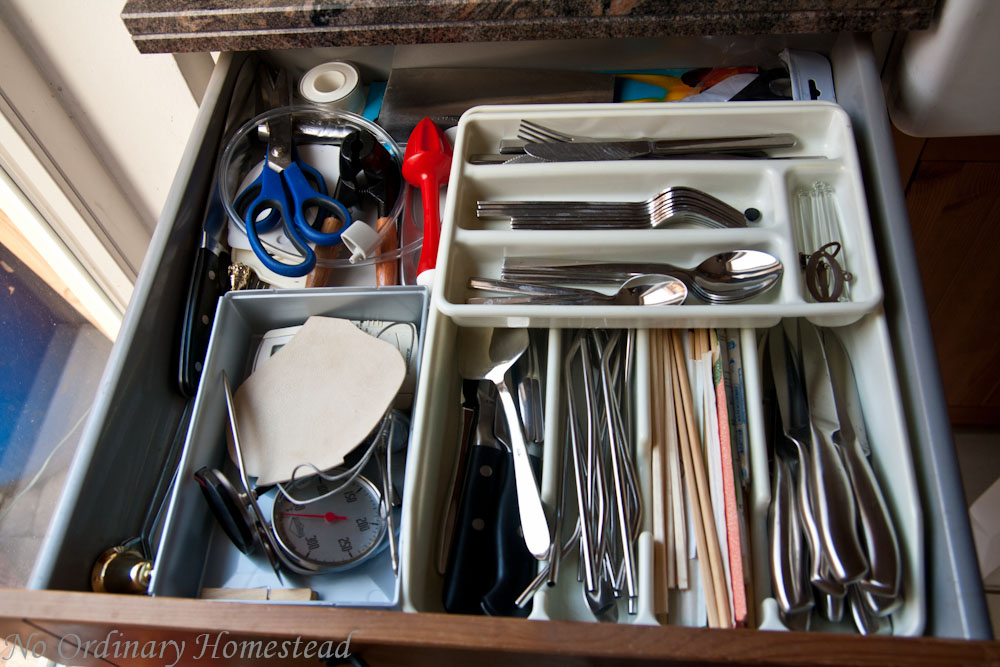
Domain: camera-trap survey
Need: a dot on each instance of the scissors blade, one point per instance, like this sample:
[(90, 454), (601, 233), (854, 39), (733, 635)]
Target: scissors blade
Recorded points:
[(275, 93)]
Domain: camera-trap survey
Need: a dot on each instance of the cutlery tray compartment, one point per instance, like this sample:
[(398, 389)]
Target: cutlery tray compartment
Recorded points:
[(438, 430), (194, 552), (825, 152)]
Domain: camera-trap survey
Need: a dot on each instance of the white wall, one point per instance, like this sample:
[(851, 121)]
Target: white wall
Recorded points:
[(135, 110)]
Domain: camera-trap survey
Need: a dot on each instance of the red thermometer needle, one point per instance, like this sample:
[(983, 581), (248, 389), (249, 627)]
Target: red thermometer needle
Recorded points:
[(329, 516)]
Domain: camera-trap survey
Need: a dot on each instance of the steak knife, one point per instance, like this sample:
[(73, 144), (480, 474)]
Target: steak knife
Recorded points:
[(877, 531), (790, 394), (472, 563), (580, 151), (835, 508)]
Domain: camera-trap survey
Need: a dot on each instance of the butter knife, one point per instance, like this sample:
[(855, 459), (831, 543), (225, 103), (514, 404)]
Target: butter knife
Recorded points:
[(580, 151)]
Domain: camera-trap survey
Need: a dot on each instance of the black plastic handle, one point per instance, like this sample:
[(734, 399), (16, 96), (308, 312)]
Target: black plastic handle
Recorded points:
[(516, 567), (208, 282), (472, 565)]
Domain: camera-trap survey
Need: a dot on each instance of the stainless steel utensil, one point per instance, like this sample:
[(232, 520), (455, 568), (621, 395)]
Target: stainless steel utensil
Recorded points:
[(641, 290), (486, 353), (579, 151), (877, 530), (622, 477), (834, 508), (669, 206), (529, 391), (606, 486), (788, 577), (531, 131), (726, 277), (794, 448)]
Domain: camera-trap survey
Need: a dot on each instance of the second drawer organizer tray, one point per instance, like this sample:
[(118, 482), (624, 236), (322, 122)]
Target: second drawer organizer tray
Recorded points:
[(194, 552), (825, 152), (438, 427)]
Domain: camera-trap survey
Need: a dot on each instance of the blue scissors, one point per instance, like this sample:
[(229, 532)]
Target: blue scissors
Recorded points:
[(283, 192)]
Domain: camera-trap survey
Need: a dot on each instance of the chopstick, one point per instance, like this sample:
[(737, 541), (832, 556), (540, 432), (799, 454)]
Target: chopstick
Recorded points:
[(662, 562), (709, 553)]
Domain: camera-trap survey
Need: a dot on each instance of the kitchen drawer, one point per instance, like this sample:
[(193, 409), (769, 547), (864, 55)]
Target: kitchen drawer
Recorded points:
[(138, 414)]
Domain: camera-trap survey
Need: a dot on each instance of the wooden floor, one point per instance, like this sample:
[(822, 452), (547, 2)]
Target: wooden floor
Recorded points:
[(953, 197)]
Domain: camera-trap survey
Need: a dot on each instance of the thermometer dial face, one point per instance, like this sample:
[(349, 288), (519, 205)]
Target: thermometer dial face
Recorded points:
[(335, 532)]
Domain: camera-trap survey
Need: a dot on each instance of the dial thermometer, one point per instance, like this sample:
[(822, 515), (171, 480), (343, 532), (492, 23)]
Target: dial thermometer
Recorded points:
[(338, 531)]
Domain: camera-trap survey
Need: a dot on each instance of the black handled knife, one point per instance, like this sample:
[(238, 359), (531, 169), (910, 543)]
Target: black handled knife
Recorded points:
[(209, 273), (472, 562)]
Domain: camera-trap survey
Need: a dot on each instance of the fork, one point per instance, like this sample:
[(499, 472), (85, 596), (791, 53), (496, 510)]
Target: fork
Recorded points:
[(652, 212), (532, 132)]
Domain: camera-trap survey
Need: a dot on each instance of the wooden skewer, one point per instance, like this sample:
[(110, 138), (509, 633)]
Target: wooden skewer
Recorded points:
[(689, 440)]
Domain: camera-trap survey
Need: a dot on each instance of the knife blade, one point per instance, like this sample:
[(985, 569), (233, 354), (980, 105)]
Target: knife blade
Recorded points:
[(579, 151), (790, 392), (835, 508), (877, 531)]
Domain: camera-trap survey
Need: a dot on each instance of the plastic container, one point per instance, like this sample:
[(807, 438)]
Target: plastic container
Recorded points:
[(825, 151), (194, 552), (437, 427), (317, 134)]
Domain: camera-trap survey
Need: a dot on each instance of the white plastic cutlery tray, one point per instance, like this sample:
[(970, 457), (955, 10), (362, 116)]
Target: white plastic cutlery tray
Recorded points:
[(825, 151), (438, 425), (476, 247)]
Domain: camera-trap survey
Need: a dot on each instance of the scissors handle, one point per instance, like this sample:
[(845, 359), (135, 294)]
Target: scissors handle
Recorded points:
[(272, 197), (305, 196)]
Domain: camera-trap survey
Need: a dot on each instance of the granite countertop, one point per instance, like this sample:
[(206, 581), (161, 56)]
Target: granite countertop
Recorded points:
[(160, 26)]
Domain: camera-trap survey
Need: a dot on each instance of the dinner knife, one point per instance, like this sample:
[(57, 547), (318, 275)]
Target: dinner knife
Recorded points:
[(835, 509), (580, 151), (877, 531)]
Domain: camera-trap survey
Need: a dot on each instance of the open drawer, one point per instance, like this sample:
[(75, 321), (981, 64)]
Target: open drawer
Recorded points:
[(138, 414)]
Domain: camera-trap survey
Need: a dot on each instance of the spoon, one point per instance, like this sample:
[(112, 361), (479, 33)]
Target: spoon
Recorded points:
[(487, 354), (726, 277), (427, 166), (640, 290)]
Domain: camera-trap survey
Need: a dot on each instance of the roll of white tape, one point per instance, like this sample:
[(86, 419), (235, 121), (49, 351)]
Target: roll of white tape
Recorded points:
[(336, 85)]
